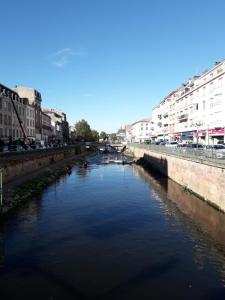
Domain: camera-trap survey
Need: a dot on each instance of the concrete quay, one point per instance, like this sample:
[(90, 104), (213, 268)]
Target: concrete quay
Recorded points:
[(205, 179)]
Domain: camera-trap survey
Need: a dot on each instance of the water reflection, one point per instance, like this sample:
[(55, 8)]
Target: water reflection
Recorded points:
[(2, 254), (113, 232), (203, 222)]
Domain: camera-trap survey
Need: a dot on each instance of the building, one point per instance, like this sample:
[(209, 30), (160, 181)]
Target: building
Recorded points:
[(46, 128), (121, 134), (59, 124), (128, 133), (12, 115), (141, 131), (34, 99), (195, 112), (30, 122)]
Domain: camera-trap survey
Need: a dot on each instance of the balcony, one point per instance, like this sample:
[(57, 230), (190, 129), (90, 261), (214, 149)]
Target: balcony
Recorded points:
[(182, 118)]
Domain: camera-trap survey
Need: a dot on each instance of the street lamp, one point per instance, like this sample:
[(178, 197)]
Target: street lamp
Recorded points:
[(198, 124)]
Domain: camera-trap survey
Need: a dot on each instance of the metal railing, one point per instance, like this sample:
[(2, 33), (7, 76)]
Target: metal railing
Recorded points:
[(200, 154)]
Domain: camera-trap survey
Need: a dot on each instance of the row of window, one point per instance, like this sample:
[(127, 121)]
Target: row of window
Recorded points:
[(7, 106)]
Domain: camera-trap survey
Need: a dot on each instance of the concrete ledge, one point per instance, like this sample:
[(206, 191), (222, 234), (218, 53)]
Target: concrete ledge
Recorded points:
[(204, 179)]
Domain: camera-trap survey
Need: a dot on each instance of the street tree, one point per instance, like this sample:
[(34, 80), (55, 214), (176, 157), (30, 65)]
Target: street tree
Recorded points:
[(95, 135), (112, 137), (103, 135), (83, 130)]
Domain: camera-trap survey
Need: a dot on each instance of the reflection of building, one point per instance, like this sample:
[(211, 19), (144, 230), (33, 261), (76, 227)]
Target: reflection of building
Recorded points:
[(196, 110), (60, 126), (34, 98), (12, 109)]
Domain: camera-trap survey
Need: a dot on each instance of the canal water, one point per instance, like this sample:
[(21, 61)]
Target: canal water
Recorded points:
[(113, 232)]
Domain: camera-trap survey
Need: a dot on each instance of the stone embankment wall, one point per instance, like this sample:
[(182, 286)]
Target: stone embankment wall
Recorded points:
[(205, 180), (17, 166)]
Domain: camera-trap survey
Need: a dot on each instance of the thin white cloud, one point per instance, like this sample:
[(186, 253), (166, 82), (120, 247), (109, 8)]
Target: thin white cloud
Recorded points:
[(63, 56)]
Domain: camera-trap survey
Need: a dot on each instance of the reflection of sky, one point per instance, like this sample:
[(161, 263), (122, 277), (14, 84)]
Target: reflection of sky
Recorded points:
[(108, 235)]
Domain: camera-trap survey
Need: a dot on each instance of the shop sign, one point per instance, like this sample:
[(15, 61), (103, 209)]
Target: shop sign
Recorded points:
[(216, 131)]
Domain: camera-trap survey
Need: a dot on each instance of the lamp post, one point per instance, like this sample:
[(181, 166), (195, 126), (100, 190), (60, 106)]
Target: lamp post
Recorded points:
[(198, 124)]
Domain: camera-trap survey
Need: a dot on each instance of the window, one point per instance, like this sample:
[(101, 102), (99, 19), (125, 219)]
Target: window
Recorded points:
[(5, 119), (203, 105), (220, 82), (211, 87), (211, 102)]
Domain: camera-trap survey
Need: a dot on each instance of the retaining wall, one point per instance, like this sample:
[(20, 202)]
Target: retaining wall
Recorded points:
[(15, 167), (205, 180)]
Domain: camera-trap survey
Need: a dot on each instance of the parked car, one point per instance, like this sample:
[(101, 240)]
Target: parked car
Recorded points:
[(194, 145), (171, 144), (217, 151)]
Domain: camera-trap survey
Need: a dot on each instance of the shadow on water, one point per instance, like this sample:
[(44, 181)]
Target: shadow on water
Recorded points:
[(154, 271), (192, 212), (2, 256), (158, 168)]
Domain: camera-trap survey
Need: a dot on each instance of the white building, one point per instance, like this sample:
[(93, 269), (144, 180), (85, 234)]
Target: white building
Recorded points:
[(195, 111), (141, 131)]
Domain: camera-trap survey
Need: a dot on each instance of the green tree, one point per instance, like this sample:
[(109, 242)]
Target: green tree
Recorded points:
[(112, 137), (95, 135), (83, 130), (103, 135)]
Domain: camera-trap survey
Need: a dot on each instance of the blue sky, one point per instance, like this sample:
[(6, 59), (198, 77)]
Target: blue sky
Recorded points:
[(108, 61)]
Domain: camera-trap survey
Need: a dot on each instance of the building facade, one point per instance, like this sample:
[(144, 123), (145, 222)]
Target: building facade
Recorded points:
[(195, 112), (12, 115), (59, 124), (34, 99), (141, 131), (46, 128)]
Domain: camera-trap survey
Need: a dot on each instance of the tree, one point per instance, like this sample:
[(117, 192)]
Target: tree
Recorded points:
[(83, 130), (95, 135), (103, 135), (112, 137)]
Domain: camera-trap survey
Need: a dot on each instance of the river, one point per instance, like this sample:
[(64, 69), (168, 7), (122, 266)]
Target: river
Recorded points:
[(113, 232)]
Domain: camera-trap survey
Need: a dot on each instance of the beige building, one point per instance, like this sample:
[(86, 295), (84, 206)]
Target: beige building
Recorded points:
[(30, 122), (46, 128), (12, 115), (59, 124), (34, 98)]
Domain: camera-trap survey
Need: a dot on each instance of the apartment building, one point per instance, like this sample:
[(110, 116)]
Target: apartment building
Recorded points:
[(60, 126), (34, 99), (46, 128), (13, 124), (30, 121), (141, 131), (195, 111)]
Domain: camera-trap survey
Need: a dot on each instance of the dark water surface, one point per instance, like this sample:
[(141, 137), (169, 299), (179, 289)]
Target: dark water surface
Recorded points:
[(113, 232)]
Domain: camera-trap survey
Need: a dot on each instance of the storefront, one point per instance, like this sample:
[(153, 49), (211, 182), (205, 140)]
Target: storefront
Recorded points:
[(187, 136), (216, 136), (200, 136)]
